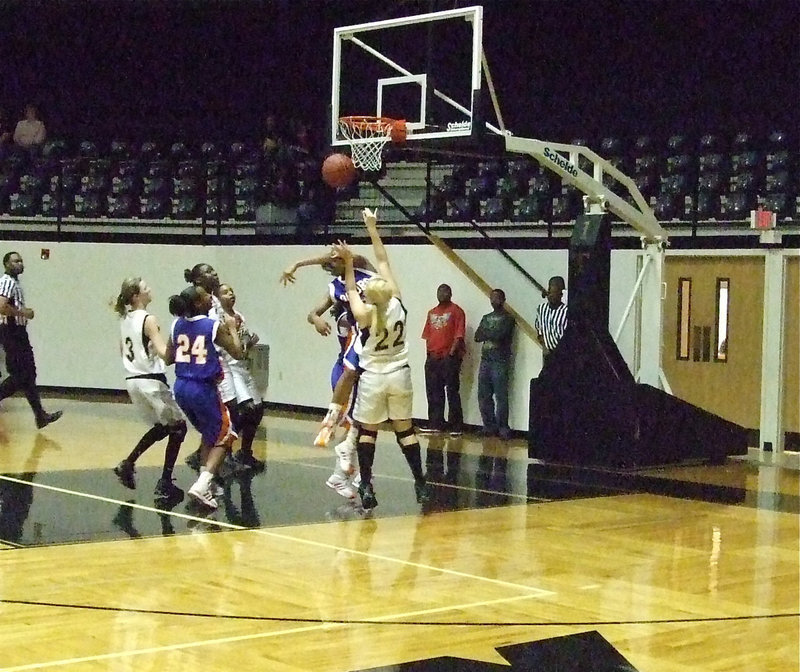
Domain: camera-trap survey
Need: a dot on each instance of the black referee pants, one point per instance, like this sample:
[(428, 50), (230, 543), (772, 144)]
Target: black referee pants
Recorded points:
[(20, 365)]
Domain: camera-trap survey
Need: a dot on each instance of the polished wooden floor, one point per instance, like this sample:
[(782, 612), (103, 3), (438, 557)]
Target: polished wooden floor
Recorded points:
[(677, 569)]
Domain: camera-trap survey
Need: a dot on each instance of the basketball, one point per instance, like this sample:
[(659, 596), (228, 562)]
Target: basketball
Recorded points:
[(338, 171)]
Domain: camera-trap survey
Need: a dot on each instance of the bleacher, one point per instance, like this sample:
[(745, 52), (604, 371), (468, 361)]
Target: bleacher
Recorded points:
[(711, 182)]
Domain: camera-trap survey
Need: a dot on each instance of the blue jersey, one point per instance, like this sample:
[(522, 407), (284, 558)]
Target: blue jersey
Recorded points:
[(338, 291), (196, 356)]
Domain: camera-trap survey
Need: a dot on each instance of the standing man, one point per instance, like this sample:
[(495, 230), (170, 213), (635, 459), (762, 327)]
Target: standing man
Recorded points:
[(20, 363), (495, 332), (444, 342), (551, 318)]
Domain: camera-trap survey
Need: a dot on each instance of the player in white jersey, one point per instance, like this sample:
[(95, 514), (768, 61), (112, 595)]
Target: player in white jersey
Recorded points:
[(249, 404), (143, 351), (384, 389)]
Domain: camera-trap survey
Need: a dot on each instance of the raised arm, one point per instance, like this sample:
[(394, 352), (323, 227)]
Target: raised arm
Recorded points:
[(287, 276), (381, 257), (360, 310)]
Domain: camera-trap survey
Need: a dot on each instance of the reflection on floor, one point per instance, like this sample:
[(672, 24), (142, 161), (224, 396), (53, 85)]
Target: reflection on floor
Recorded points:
[(42, 508)]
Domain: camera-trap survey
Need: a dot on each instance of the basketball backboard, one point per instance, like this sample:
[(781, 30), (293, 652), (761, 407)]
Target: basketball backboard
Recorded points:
[(425, 69)]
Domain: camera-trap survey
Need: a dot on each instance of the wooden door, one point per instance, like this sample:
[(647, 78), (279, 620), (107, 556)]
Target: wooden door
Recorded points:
[(791, 350), (709, 361)]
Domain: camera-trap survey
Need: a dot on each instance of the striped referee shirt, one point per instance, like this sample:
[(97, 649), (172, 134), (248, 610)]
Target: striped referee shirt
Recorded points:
[(550, 323), (12, 290)]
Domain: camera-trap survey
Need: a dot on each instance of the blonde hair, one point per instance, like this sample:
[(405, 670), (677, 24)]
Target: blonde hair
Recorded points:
[(378, 292), (130, 288)]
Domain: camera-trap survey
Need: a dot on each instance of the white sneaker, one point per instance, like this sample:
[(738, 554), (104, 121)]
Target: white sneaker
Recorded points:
[(216, 489), (356, 480), (346, 452), (340, 484), (202, 495)]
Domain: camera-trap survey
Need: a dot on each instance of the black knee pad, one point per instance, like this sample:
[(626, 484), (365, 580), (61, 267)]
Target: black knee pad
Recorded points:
[(250, 413), (370, 434), (160, 431), (404, 434), (178, 430)]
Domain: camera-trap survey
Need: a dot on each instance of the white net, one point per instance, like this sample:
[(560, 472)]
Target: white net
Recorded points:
[(367, 136)]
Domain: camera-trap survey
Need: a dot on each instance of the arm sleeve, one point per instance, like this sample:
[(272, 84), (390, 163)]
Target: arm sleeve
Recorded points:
[(426, 329), (461, 324)]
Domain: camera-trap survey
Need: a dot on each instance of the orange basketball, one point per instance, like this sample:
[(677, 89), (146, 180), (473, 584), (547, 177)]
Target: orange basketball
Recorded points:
[(338, 171)]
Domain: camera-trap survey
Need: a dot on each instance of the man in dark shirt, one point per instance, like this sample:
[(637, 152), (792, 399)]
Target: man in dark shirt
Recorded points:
[(495, 331)]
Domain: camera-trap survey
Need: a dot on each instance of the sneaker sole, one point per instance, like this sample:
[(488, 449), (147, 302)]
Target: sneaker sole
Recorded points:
[(197, 497), (345, 491)]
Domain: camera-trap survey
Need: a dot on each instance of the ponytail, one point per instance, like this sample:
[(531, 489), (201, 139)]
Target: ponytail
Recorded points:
[(182, 305), (130, 288)]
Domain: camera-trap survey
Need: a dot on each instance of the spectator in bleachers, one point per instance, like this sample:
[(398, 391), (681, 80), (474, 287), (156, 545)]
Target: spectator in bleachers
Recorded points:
[(272, 141), (6, 133), (30, 132), (286, 191)]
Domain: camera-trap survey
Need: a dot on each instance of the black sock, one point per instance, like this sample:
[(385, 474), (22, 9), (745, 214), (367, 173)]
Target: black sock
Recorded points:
[(412, 455), (171, 455), (155, 433), (366, 457)]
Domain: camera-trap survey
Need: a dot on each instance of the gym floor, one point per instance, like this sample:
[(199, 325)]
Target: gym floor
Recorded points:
[(675, 568)]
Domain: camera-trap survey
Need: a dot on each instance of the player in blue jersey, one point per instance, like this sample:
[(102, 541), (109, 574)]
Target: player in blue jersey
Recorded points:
[(384, 391), (194, 338), (345, 475)]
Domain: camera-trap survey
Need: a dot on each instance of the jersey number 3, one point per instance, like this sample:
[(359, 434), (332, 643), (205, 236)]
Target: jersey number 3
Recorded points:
[(187, 349)]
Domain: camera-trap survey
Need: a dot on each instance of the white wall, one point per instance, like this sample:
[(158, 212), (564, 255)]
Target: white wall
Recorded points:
[(75, 331)]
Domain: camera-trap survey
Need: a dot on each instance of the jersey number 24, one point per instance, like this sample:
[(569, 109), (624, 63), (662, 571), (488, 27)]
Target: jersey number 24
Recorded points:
[(186, 349)]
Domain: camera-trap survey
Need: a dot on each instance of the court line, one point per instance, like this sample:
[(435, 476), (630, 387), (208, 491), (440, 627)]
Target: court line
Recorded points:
[(387, 620), (536, 592), (108, 500), (383, 619), (261, 635), (524, 498)]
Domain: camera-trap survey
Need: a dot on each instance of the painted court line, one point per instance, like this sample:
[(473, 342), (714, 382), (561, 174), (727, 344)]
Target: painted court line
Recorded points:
[(261, 635), (531, 590)]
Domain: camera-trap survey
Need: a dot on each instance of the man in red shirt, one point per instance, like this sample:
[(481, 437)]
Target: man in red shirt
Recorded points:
[(444, 339)]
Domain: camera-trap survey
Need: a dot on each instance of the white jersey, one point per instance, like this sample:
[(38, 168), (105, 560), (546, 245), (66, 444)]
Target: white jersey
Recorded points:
[(387, 350), (138, 356), (225, 386), (243, 381)]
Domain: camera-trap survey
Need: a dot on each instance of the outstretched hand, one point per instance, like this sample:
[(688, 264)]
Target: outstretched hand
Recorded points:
[(370, 217), (342, 250), (287, 276)]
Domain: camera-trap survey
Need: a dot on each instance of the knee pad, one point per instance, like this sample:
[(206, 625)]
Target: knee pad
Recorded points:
[(160, 431), (250, 413), (367, 435), (406, 437), (178, 430)]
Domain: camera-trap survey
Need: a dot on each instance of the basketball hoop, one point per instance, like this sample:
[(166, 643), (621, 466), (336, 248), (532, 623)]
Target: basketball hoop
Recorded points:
[(368, 136)]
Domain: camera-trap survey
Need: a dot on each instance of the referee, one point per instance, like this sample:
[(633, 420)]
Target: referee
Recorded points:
[(551, 317), (20, 363)]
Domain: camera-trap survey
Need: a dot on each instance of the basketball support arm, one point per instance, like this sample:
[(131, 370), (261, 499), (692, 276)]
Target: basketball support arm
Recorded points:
[(563, 159)]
